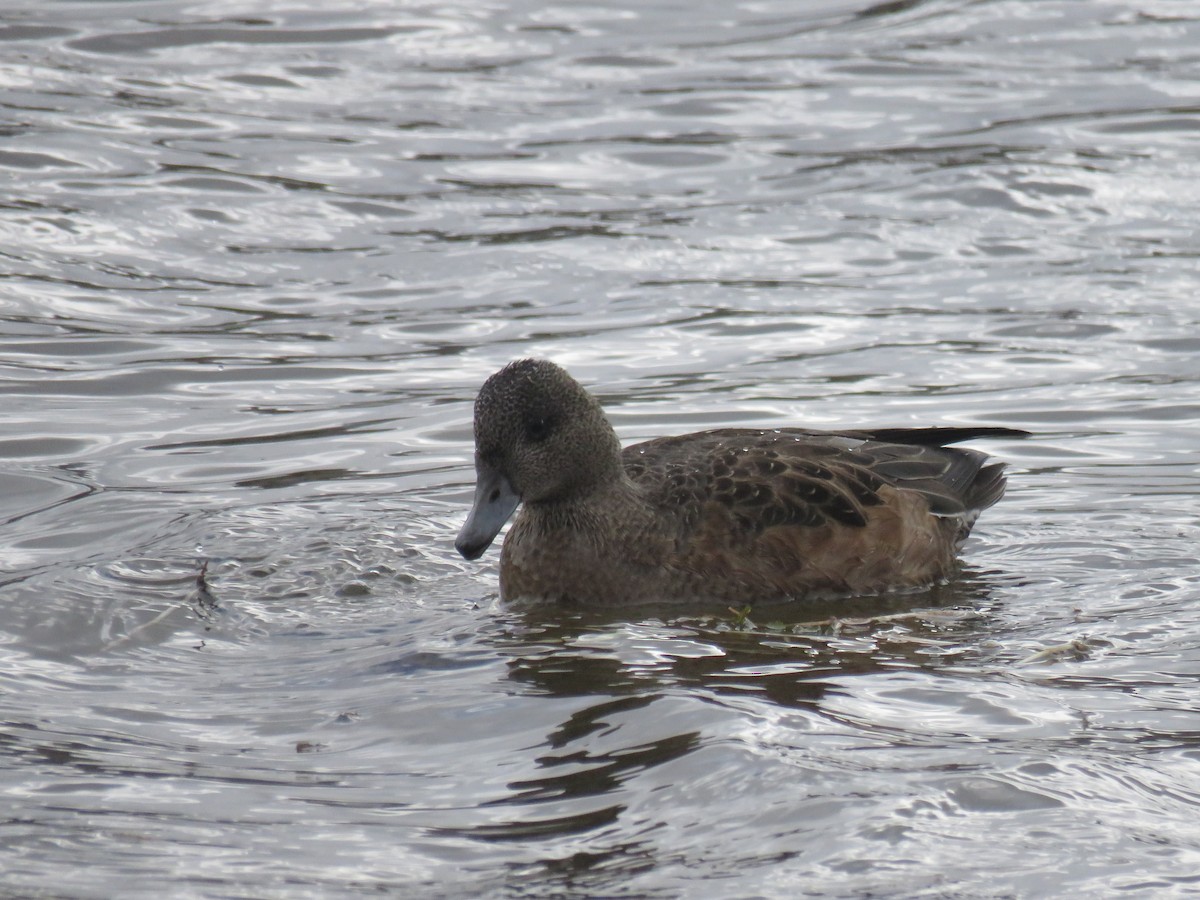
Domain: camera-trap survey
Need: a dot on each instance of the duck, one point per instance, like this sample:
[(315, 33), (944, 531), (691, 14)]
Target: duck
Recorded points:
[(733, 515)]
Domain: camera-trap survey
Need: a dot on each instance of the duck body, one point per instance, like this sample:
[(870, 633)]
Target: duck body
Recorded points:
[(732, 515)]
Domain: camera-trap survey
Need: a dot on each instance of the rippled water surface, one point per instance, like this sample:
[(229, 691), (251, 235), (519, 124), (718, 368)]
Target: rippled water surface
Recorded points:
[(257, 258)]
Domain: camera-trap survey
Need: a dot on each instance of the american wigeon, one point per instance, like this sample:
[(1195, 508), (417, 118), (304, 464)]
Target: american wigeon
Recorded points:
[(734, 515)]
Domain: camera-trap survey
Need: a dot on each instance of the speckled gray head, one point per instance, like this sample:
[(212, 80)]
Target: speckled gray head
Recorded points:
[(539, 438)]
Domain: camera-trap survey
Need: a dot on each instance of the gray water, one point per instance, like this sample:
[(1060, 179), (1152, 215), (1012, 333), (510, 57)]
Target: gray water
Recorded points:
[(257, 258)]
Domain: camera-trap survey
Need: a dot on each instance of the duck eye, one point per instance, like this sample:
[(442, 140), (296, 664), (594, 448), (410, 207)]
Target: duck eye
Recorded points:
[(537, 430)]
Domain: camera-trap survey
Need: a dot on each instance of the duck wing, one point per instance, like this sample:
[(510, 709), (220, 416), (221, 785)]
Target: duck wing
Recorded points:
[(791, 477)]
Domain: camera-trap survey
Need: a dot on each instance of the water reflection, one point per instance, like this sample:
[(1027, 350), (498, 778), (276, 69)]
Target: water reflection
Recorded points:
[(781, 651)]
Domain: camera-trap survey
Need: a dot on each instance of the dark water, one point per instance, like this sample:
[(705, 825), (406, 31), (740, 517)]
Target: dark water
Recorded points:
[(257, 258)]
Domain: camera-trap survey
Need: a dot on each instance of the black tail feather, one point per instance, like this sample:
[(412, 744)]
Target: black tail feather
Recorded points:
[(940, 436)]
